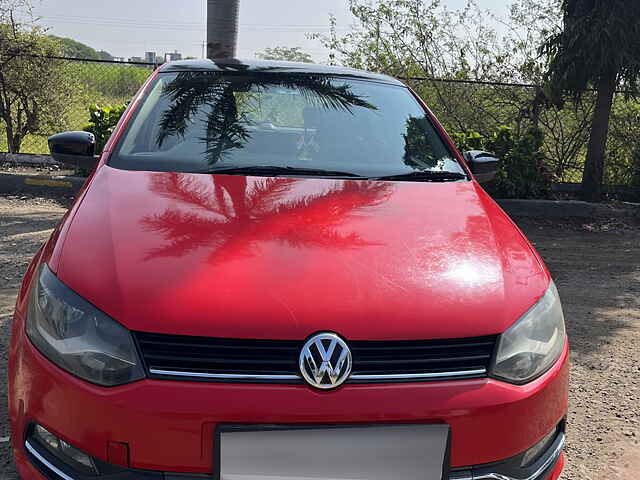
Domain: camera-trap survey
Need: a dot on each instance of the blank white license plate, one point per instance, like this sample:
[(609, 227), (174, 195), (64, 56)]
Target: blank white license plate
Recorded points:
[(395, 452)]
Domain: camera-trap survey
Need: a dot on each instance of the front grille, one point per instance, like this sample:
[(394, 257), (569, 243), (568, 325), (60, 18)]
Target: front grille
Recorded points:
[(276, 361), (219, 355), (417, 357)]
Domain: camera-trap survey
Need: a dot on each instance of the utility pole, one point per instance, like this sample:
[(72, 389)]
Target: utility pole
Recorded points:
[(222, 28)]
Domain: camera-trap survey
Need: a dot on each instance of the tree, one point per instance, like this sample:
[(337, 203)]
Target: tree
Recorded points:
[(33, 88), (104, 55), (424, 38), (73, 48), (289, 54), (598, 47)]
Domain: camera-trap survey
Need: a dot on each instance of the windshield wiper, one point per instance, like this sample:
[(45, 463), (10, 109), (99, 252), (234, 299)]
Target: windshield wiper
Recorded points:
[(426, 176), (275, 171)]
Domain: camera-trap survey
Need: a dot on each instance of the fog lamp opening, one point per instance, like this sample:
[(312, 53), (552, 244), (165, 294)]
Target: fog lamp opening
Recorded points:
[(534, 453), (63, 451)]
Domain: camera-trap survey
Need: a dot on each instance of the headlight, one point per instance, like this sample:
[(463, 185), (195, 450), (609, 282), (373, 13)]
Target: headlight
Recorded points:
[(78, 337), (534, 343)]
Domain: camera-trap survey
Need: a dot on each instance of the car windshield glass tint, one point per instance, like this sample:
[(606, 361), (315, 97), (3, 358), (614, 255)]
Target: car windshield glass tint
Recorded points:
[(198, 121)]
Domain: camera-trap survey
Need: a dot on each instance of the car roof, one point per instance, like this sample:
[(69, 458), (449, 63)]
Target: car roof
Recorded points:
[(273, 66)]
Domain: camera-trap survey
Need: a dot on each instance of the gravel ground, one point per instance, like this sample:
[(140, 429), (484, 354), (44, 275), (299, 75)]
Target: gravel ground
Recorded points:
[(9, 167), (25, 223), (597, 270)]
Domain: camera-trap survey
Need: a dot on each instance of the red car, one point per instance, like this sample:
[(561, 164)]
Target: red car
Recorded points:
[(285, 271)]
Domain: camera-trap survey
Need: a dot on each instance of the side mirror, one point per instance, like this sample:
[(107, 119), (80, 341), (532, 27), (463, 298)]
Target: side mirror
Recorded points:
[(483, 165), (76, 149)]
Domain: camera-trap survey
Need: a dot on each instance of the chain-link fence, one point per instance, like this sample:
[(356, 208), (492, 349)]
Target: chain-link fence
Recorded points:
[(470, 111), (55, 94)]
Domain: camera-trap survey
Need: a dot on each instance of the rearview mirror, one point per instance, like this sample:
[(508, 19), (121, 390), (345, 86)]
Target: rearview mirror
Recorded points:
[(483, 165), (76, 149)]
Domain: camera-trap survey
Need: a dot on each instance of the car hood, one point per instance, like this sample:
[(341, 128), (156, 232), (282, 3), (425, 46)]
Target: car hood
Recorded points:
[(282, 258)]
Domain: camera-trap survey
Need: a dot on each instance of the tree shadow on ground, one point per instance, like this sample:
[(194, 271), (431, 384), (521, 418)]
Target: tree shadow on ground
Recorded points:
[(20, 237), (598, 277)]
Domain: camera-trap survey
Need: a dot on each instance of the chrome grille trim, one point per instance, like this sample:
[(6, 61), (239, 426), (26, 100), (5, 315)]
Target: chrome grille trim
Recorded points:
[(223, 376), (231, 376), (418, 376)]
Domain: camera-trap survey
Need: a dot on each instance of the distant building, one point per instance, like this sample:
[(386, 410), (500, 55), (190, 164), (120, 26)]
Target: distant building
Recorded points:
[(118, 59), (172, 57), (136, 59), (150, 57)]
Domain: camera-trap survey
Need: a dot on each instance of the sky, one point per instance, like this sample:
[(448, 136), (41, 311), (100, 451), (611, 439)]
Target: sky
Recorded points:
[(128, 28)]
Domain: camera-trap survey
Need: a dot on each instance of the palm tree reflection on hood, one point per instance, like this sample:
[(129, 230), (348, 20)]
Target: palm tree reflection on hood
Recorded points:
[(232, 217), (191, 93)]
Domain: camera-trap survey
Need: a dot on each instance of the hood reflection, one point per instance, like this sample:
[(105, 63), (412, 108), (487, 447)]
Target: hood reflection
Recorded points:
[(232, 215)]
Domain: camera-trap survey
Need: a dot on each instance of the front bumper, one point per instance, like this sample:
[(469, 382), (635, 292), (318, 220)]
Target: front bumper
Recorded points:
[(169, 426), (42, 463)]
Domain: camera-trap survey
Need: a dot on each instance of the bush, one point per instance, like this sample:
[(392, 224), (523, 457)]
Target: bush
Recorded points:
[(522, 172), (102, 121)]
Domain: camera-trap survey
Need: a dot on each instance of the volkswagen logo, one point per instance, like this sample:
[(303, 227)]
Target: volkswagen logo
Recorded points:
[(325, 361)]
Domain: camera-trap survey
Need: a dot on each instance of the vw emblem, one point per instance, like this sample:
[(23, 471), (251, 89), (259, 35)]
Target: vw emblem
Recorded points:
[(325, 361)]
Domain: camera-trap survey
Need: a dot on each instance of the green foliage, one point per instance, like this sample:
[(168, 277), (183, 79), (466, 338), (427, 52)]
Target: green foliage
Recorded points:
[(522, 172), (83, 84), (407, 38), (102, 121), (104, 55), (600, 37), (289, 54), (598, 47), (75, 49), (110, 83), (32, 89), (424, 38), (469, 141), (623, 145)]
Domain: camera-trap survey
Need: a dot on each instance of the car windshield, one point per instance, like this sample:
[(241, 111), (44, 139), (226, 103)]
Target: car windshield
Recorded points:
[(305, 123)]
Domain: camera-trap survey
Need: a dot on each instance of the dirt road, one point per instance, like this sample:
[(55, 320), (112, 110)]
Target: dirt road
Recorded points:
[(596, 268)]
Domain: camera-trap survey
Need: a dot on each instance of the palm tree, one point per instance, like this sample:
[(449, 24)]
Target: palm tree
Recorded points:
[(598, 47)]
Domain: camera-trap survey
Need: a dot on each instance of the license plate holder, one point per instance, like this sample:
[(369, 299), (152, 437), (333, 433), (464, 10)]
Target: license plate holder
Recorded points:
[(332, 452)]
